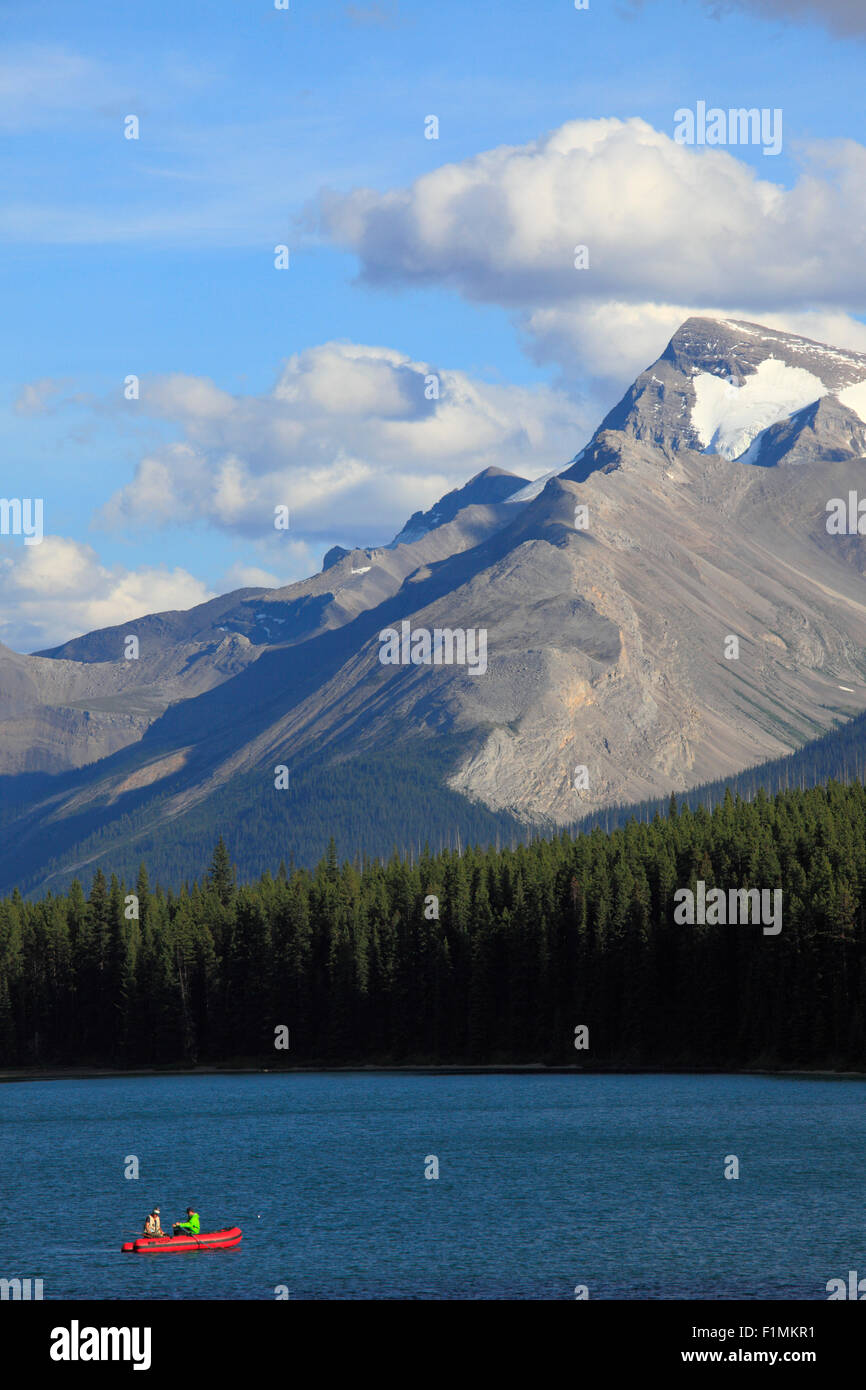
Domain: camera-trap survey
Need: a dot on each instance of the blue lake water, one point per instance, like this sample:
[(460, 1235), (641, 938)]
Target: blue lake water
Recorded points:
[(546, 1182)]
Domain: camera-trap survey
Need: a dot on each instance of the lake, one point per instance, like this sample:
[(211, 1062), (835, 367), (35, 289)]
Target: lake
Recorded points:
[(545, 1182)]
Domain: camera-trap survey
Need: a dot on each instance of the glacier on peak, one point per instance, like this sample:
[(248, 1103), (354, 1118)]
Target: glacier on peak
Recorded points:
[(727, 417)]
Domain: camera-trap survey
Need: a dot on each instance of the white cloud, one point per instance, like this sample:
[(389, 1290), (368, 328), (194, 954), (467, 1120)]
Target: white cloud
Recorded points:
[(347, 439), (38, 397), (663, 222), (283, 560), (671, 231), (250, 577), (50, 85), (607, 341), (39, 83), (60, 589)]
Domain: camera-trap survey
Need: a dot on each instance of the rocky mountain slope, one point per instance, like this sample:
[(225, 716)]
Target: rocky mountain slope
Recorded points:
[(76, 703), (611, 597)]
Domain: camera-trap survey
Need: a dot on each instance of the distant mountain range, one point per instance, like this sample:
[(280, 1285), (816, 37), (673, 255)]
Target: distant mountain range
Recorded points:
[(609, 594)]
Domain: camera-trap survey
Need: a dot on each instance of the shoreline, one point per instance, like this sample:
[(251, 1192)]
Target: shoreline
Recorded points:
[(23, 1074)]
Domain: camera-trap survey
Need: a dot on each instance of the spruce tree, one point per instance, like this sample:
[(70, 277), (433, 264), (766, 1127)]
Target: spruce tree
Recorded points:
[(222, 873)]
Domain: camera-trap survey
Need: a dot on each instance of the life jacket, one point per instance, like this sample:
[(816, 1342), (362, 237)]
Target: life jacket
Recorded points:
[(151, 1225)]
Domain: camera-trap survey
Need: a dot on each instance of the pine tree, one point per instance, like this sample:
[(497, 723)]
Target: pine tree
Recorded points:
[(222, 873)]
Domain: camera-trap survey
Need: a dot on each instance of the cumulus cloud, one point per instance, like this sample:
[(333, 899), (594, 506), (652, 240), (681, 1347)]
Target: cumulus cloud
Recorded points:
[(606, 340), (282, 561), (60, 589), (251, 577), (671, 230), (351, 438), (662, 221)]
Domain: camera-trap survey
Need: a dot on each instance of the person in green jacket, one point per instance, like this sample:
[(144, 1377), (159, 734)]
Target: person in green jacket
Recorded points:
[(191, 1227)]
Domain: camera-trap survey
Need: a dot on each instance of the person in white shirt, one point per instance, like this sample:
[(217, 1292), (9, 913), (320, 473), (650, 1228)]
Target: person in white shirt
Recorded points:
[(152, 1225)]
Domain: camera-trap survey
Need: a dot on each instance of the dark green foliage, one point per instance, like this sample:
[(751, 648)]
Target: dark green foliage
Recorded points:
[(529, 942), (222, 878)]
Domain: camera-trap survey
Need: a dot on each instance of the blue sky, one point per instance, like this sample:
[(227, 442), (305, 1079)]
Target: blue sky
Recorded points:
[(156, 257)]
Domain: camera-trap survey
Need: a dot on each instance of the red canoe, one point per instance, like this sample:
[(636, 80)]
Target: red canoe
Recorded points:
[(171, 1245)]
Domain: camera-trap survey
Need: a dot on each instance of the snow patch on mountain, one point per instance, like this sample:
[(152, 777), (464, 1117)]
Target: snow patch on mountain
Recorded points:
[(855, 398), (727, 417), (533, 490), (526, 494)]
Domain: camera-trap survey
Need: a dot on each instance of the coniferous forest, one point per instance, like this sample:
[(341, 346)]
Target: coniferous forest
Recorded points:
[(485, 957)]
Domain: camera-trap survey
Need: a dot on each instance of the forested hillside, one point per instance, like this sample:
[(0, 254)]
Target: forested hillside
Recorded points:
[(530, 943), (373, 805)]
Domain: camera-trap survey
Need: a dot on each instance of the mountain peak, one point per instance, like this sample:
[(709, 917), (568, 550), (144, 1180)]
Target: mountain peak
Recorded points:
[(708, 342), (488, 487), (719, 384)]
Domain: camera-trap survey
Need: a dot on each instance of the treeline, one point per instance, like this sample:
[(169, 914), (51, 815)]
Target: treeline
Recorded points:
[(489, 956)]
